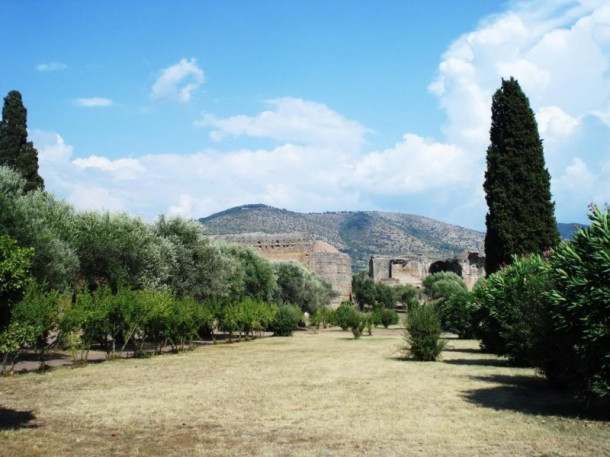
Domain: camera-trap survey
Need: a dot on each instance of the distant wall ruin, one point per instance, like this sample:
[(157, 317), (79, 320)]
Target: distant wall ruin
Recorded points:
[(412, 269), (316, 256)]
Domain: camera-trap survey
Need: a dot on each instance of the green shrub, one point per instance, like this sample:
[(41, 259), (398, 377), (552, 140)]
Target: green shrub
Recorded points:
[(40, 311), (322, 317), (345, 315), (423, 334), (369, 322), (408, 295), (511, 306), (458, 314), (387, 317), (441, 286), (286, 320), (580, 309), (12, 341)]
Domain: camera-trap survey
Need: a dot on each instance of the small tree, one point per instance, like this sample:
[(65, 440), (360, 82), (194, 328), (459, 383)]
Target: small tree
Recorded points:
[(423, 334), (40, 311), (364, 290)]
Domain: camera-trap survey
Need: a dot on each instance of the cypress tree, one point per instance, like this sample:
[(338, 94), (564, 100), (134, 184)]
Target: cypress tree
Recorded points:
[(15, 149), (521, 216)]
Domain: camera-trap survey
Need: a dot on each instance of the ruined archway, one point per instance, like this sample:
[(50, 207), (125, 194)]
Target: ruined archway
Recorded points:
[(446, 265)]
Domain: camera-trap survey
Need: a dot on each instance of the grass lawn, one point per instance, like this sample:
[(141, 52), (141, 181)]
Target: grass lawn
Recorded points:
[(311, 394)]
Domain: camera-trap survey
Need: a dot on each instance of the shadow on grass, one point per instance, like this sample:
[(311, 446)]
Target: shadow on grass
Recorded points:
[(464, 350), (479, 362), (533, 395), (12, 419)]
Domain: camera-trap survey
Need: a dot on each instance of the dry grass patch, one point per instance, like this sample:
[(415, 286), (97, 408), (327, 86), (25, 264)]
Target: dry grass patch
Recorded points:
[(312, 394)]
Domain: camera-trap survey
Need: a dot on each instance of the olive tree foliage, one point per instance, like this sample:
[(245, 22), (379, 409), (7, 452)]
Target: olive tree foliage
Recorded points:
[(38, 220), (12, 186), (199, 268), (118, 249), (253, 276), (441, 286), (297, 286), (47, 224)]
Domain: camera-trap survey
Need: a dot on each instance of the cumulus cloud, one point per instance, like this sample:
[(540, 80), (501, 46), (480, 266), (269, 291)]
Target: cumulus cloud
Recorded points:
[(413, 166), (93, 102), (178, 81), (119, 168), (51, 66), (557, 50), (292, 120), (554, 123)]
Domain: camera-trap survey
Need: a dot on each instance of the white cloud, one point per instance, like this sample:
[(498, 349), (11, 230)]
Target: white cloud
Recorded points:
[(291, 120), (415, 165), (178, 81), (554, 123), (51, 66), (93, 102), (118, 169), (51, 147), (558, 51)]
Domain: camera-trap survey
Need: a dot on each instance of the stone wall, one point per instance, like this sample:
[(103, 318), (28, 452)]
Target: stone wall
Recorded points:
[(316, 256), (412, 269)]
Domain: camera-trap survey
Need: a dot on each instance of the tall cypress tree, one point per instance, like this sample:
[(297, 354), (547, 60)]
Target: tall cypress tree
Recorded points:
[(15, 149), (521, 216)]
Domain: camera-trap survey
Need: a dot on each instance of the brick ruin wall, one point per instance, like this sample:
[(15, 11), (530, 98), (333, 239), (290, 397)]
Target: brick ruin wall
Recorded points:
[(413, 269), (335, 267)]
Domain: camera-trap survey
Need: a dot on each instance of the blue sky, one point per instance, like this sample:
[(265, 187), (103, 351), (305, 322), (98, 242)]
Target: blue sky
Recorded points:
[(192, 107)]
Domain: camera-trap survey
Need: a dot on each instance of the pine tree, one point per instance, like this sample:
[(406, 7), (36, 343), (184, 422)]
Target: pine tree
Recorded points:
[(521, 216), (15, 149)]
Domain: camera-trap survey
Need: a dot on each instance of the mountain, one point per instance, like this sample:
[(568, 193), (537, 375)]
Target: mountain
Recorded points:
[(567, 231), (360, 234)]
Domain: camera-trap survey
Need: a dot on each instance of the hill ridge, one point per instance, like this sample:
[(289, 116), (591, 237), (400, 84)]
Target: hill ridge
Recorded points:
[(360, 234)]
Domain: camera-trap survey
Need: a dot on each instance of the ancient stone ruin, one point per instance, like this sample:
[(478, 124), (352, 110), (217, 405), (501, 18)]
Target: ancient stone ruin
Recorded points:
[(412, 269), (316, 256)]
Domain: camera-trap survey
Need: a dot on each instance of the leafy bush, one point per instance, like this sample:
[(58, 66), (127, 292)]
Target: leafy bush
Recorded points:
[(384, 296), (441, 286), (364, 289), (458, 314), (286, 320), (345, 315), (322, 317), (40, 311), (423, 334), (387, 317), (407, 294), (12, 341), (511, 311), (580, 308)]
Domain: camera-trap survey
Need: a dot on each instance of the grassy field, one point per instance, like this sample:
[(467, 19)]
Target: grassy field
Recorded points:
[(312, 394)]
